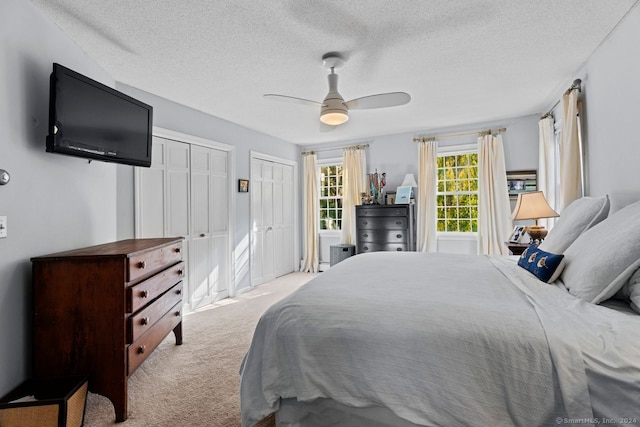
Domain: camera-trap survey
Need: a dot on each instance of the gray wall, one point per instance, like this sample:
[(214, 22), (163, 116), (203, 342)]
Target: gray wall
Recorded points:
[(52, 202), (611, 94)]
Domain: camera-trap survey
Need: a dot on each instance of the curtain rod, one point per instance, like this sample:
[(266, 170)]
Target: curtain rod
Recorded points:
[(480, 132), (351, 147), (577, 84)]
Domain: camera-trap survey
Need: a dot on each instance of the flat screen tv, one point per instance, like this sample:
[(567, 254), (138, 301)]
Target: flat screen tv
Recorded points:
[(88, 119)]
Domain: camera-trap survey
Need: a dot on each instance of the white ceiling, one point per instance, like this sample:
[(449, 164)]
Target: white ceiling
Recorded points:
[(462, 62)]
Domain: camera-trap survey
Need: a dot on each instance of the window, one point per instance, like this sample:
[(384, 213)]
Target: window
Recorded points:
[(331, 197), (457, 195)]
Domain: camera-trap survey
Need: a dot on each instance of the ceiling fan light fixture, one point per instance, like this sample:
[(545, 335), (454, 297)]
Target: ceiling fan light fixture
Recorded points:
[(334, 118)]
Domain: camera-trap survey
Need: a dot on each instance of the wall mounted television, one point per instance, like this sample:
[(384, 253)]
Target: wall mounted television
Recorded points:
[(90, 120)]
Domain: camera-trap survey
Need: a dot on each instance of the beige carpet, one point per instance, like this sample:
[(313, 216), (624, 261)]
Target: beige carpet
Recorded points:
[(197, 383)]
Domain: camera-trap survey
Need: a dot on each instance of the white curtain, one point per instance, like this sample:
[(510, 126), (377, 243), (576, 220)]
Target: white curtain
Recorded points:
[(547, 166), (354, 166), (494, 210), (311, 219), (570, 152), (427, 187)]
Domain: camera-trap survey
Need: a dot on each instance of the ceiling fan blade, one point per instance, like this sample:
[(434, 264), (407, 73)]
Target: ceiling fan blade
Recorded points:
[(380, 100), (292, 99)]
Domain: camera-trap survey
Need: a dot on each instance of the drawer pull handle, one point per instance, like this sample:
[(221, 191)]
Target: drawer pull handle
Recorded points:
[(203, 235), (366, 248), (397, 211), (398, 249), (365, 222), (365, 235), (177, 250), (144, 321), (144, 294), (179, 272), (398, 236), (177, 313), (142, 265), (179, 292), (142, 349), (398, 222)]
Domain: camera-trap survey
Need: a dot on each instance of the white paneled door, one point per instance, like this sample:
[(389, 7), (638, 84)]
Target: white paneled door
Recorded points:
[(186, 193), (272, 219)]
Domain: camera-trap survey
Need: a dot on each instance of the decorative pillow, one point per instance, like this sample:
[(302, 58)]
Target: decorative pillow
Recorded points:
[(579, 216), (544, 265), (631, 291), (604, 257)]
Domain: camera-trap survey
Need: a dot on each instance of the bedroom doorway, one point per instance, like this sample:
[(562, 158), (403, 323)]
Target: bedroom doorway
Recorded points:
[(186, 192), (273, 217)]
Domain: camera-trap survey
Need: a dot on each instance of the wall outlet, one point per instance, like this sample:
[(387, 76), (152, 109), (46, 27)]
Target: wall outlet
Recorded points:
[(3, 227)]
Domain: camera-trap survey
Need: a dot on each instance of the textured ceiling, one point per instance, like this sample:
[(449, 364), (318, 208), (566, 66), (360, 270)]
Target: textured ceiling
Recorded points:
[(462, 61)]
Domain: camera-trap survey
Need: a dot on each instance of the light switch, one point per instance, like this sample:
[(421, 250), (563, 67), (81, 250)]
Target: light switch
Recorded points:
[(3, 226)]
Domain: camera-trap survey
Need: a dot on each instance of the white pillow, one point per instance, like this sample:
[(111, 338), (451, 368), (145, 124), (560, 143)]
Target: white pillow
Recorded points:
[(578, 217), (631, 291), (603, 258)]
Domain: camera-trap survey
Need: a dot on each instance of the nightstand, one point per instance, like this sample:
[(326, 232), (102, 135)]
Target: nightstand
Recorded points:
[(517, 248)]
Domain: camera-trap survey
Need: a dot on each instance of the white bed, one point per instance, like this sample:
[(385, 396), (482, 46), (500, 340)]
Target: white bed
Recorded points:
[(434, 339)]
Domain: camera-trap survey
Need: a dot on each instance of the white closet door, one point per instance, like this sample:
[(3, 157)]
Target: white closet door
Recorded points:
[(257, 224), (151, 200), (268, 272), (288, 209), (272, 210), (186, 193), (201, 212), (177, 189), (220, 222)]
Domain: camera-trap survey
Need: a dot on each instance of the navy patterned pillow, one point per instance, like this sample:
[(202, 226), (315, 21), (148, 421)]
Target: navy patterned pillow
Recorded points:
[(544, 265)]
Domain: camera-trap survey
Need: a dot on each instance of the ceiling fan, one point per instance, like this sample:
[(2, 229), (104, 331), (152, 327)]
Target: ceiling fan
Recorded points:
[(334, 110)]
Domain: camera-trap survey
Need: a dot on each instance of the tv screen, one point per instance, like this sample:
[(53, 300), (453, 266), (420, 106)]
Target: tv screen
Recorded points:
[(88, 119)]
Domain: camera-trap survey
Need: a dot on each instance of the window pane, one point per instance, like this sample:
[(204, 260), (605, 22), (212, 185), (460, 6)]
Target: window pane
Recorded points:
[(331, 190), (457, 189)]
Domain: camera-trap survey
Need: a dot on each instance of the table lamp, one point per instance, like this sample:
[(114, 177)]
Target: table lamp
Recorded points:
[(410, 181), (533, 205)]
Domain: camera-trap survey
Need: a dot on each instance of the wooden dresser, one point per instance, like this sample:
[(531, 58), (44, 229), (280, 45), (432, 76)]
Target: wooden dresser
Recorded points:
[(385, 228), (100, 311)]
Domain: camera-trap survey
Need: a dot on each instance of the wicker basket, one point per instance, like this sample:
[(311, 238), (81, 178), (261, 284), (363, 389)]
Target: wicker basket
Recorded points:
[(52, 402)]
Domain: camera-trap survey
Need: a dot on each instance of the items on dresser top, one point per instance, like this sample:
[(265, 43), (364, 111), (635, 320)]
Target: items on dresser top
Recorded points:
[(385, 228), (100, 311)]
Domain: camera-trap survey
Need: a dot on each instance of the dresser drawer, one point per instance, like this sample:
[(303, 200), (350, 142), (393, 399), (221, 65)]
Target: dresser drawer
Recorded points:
[(382, 236), (364, 247), (382, 211), (143, 346), (379, 222), (141, 294), (147, 263), (144, 320)]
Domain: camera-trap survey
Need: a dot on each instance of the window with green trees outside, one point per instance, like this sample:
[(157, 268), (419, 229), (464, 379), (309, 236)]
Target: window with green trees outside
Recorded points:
[(457, 195), (331, 197)]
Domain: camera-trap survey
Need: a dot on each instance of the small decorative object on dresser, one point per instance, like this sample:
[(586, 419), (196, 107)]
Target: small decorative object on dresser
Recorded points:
[(100, 311), (385, 228)]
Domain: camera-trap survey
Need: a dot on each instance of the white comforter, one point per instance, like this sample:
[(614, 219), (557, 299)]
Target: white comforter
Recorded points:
[(445, 340)]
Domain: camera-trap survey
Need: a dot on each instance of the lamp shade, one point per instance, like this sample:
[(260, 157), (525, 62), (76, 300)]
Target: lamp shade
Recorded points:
[(533, 205), (409, 181)]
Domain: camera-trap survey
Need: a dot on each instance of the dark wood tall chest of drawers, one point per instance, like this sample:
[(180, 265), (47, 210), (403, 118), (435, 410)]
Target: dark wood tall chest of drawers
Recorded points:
[(100, 311), (385, 228)]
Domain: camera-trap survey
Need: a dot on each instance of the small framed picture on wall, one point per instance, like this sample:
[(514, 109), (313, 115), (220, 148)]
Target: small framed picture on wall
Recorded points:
[(243, 186)]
